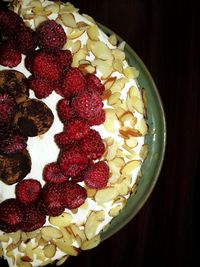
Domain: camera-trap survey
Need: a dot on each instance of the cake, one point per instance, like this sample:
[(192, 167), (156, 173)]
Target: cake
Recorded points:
[(73, 126)]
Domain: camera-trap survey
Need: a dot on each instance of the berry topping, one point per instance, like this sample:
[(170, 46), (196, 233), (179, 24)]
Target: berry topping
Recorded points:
[(10, 22), (34, 117), (7, 107), (88, 104), (94, 83), (65, 111), (41, 87), (76, 129), (33, 219), (13, 144), (97, 176), (25, 40), (9, 56), (53, 174), (62, 140), (11, 215), (73, 161), (52, 197), (28, 191), (45, 66), (74, 82), (74, 195), (50, 36), (99, 119), (92, 145), (64, 58), (29, 59)]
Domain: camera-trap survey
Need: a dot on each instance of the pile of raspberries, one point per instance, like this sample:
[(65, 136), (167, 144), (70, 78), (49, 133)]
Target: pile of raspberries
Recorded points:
[(81, 107)]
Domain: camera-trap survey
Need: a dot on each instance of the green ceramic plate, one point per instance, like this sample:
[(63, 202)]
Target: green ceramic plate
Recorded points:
[(156, 140)]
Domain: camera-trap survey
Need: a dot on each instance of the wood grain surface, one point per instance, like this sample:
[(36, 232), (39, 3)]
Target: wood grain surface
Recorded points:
[(166, 37)]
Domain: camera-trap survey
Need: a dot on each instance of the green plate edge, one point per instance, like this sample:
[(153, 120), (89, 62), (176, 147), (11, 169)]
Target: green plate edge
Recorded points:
[(156, 140)]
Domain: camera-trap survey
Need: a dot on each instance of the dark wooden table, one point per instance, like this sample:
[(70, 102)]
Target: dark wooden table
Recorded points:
[(164, 34)]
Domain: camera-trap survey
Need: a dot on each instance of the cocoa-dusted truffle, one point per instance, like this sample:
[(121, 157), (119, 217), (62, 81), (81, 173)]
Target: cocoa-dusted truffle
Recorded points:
[(14, 83), (15, 167), (34, 117)]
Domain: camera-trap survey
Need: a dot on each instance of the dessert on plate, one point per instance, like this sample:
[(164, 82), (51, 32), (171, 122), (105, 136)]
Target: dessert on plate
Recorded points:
[(72, 132)]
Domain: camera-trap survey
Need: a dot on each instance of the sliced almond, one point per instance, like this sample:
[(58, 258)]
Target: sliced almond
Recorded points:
[(115, 211), (118, 54), (126, 132), (144, 151), (91, 192), (93, 32), (118, 85), (89, 18), (134, 91), (40, 11), (93, 222), (78, 56), (113, 39), (38, 19), (4, 237), (112, 151), (118, 65), (105, 195), (50, 232), (142, 127), (130, 166), (68, 20), (53, 8), (131, 142), (67, 7), (89, 244), (101, 51), (67, 236), (78, 232), (62, 260), (122, 45), (131, 72), (114, 98), (82, 25), (135, 103), (62, 220), (50, 250), (64, 247), (109, 82), (106, 94), (35, 3)]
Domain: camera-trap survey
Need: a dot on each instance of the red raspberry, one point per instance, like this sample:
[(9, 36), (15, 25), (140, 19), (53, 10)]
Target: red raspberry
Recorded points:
[(7, 108), (52, 197), (28, 191), (65, 111), (76, 129), (33, 219), (97, 176), (9, 56), (53, 174), (10, 22), (41, 87), (29, 59), (88, 104), (81, 176), (92, 145), (13, 144), (94, 83), (99, 119), (58, 87), (64, 58), (74, 82), (51, 35), (73, 161), (45, 66), (26, 40), (11, 215), (62, 140), (74, 195)]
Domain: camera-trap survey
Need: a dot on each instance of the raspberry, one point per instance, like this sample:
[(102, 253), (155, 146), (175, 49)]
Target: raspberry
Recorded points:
[(52, 197), (93, 146), (51, 36), (65, 111), (41, 87), (28, 191), (45, 66), (74, 195), (53, 174), (81, 176), (73, 161), (7, 108), (9, 56), (13, 144), (94, 83), (10, 22), (99, 119), (33, 219), (29, 59), (58, 87), (62, 140), (11, 215), (26, 40), (74, 82), (97, 176), (64, 58), (88, 104), (76, 129)]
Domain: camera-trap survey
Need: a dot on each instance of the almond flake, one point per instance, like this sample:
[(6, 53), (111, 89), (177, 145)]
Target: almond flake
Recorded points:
[(114, 98), (101, 51), (53, 8), (78, 56), (130, 166), (68, 20), (50, 250), (89, 244), (142, 127), (38, 19), (113, 39), (93, 222), (131, 73), (104, 66), (118, 54), (62, 220), (62, 260), (118, 85), (93, 32), (50, 232), (64, 247), (105, 195), (144, 151)]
